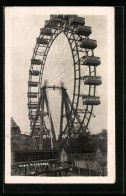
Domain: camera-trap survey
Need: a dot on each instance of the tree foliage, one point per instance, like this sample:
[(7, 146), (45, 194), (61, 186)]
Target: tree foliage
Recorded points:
[(87, 143)]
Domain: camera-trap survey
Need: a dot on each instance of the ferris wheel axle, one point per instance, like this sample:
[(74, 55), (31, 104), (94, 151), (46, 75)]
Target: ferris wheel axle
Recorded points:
[(54, 87)]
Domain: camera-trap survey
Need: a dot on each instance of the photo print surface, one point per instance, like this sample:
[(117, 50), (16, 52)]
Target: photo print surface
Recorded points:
[(59, 73)]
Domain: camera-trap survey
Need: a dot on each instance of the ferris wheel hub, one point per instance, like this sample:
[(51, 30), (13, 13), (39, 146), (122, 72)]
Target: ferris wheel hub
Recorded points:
[(54, 87)]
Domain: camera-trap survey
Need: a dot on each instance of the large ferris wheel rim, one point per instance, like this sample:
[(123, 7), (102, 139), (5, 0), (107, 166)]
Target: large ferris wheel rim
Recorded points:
[(71, 51), (65, 33), (73, 60)]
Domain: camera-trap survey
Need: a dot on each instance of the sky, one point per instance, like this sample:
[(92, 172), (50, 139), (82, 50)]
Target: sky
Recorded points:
[(22, 27)]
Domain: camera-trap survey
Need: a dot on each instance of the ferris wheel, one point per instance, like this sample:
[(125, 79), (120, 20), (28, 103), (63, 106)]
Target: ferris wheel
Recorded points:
[(62, 80)]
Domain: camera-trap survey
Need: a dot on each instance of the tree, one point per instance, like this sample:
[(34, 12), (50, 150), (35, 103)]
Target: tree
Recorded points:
[(88, 143)]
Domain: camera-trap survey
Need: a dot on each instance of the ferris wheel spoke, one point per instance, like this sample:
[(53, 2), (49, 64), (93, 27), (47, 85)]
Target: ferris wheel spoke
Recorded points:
[(61, 52), (48, 73), (61, 74), (55, 62), (52, 61)]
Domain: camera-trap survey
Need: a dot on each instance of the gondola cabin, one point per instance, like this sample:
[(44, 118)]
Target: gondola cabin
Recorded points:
[(46, 31), (53, 16), (32, 106), (60, 16), (51, 24), (77, 21), (37, 127), (88, 43), (36, 61), (32, 112), (46, 22), (34, 72), (67, 17), (91, 100), (31, 117), (92, 80), (32, 84), (42, 41), (83, 30), (32, 95), (91, 61)]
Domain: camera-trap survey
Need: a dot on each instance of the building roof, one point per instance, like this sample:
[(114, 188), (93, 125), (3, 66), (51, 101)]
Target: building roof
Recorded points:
[(13, 123)]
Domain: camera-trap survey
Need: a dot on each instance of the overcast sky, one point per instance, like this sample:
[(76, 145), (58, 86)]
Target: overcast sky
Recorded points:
[(22, 28)]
